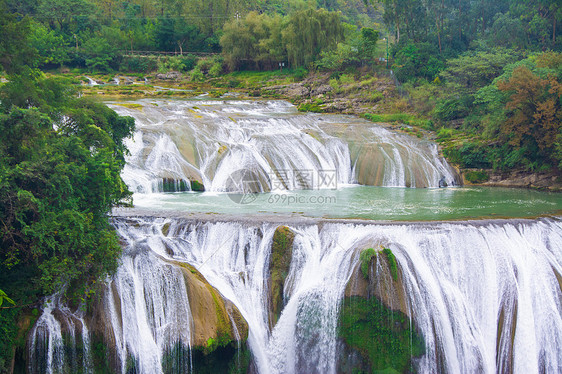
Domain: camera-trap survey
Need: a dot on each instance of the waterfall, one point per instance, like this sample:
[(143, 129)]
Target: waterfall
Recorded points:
[(485, 295), (208, 141), (92, 82)]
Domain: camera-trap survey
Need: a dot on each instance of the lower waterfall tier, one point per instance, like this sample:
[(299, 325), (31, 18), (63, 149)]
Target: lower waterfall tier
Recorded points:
[(462, 297)]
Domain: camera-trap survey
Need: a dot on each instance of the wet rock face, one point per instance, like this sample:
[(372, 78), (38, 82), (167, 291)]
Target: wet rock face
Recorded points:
[(215, 337), (279, 264), (216, 321)]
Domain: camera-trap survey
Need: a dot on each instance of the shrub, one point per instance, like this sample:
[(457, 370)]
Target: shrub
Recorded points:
[(233, 83), (310, 107), (444, 133), (300, 74), (476, 176), (215, 70), (197, 74)]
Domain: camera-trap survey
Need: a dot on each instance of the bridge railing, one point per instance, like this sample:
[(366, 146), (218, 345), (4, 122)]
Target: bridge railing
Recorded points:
[(131, 53)]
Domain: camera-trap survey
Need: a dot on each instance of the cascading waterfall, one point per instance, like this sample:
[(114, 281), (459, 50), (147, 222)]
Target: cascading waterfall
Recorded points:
[(55, 347), (208, 141), (486, 296)]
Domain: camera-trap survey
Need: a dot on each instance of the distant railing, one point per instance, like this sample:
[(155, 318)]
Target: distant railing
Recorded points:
[(130, 53)]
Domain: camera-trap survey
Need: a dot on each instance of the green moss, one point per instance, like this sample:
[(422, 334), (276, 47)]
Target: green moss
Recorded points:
[(223, 360), (224, 329), (384, 338), (99, 354), (197, 186), (404, 118), (166, 228), (280, 262), (391, 262), (173, 185), (365, 259), (310, 107), (476, 176)]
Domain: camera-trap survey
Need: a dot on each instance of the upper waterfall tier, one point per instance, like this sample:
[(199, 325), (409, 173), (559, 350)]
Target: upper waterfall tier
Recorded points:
[(218, 142)]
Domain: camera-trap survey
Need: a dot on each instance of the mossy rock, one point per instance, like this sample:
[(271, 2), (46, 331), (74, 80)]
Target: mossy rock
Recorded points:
[(166, 228), (367, 256), (383, 338), (197, 186), (374, 322), (379, 275), (279, 264), (174, 185)]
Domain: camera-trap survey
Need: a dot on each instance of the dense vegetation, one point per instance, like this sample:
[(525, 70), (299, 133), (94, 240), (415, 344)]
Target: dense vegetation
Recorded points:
[(60, 163), (97, 33), (487, 74)]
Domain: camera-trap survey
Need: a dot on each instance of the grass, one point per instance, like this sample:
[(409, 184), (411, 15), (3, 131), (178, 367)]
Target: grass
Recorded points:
[(254, 79), (131, 105), (405, 118)]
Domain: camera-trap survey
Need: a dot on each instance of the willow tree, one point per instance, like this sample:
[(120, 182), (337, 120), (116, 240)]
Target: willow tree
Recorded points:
[(254, 42), (310, 32)]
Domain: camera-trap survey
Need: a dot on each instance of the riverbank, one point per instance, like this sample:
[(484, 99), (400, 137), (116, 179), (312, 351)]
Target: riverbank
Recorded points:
[(371, 94)]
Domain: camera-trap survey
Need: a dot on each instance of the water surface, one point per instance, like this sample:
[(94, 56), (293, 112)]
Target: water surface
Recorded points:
[(367, 202)]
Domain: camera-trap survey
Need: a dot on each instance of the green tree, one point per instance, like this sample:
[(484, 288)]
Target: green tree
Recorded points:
[(368, 46), (310, 32), (60, 164), (258, 39), (98, 53), (14, 48), (50, 47)]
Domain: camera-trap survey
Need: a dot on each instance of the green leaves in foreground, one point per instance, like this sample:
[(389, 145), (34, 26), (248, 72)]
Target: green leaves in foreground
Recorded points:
[(60, 164), (3, 297)]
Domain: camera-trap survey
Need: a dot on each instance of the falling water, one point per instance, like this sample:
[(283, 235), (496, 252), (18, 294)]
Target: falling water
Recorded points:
[(485, 296), (208, 141), (92, 82)]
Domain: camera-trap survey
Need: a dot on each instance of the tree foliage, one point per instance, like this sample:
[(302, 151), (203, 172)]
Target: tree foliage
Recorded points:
[(534, 114), (262, 41), (60, 164)]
